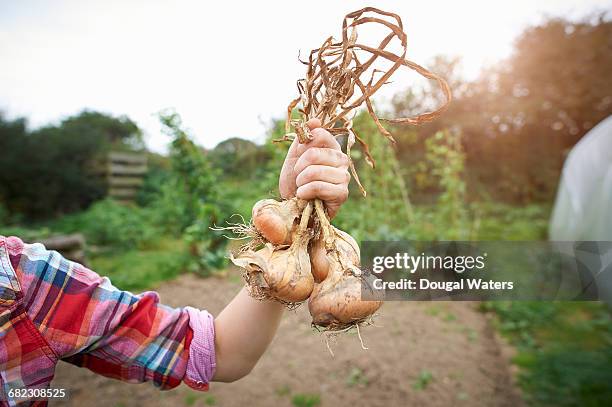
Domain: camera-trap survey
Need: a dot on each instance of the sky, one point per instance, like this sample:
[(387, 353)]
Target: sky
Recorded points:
[(228, 67)]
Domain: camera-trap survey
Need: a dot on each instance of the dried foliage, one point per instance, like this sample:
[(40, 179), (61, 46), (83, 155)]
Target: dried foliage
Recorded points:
[(342, 76)]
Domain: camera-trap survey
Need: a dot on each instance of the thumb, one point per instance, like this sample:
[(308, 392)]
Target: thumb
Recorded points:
[(313, 123)]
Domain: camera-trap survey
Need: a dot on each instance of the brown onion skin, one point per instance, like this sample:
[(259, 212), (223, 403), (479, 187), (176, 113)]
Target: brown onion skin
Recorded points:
[(345, 243), (348, 246), (268, 220), (318, 260), (283, 274), (339, 302), (288, 274), (276, 221), (336, 301)]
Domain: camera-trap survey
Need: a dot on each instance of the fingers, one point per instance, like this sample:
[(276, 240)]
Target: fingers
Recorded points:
[(313, 123), (316, 170), (323, 173), (320, 156), (332, 194), (321, 138)]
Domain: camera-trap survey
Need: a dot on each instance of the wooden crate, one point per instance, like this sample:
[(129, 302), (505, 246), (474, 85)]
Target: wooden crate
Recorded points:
[(124, 174)]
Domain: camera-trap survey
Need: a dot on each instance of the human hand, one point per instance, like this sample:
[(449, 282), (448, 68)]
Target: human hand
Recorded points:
[(317, 169)]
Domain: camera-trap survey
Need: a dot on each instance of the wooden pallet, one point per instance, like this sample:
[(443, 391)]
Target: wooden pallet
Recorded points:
[(124, 174)]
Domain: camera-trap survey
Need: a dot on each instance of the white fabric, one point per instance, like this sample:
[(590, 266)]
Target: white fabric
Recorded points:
[(583, 209)]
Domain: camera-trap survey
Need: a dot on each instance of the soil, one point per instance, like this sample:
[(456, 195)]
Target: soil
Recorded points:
[(419, 353)]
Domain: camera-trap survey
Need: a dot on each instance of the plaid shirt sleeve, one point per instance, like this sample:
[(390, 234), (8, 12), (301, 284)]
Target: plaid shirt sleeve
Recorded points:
[(90, 323)]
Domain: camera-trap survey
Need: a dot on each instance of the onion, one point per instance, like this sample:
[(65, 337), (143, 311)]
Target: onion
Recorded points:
[(280, 272), (336, 302), (277, 221), (318, 253)]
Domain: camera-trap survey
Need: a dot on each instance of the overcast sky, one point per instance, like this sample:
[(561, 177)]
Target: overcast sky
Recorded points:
[(227, 67)]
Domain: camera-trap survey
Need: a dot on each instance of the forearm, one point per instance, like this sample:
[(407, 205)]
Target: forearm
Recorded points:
[(243, 331)]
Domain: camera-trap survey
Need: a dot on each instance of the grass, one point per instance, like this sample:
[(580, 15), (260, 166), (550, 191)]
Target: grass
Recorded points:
[(471, 333), (423, 379), (190, 399), (450, 317), (356, 377), (433, 310), (135, 270), (462, 396), (283, 390), (306, 400)]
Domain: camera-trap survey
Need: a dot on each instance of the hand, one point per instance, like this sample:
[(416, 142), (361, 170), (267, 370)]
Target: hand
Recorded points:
[(318, 169)]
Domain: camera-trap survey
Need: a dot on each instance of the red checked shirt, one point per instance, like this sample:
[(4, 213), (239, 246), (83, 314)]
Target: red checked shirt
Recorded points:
[(53, 309)]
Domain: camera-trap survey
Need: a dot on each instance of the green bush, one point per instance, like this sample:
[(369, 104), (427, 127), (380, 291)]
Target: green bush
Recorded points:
[(569, 376), (194, 195), (386, 212), (497, 221), (141, 269), (565, 350), (108, 223)]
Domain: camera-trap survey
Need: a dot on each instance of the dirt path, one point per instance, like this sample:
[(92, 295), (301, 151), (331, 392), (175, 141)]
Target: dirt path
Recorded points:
[(423, 354)]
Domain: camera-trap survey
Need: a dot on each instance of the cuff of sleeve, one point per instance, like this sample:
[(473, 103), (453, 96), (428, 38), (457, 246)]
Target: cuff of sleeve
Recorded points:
[(202, 360)]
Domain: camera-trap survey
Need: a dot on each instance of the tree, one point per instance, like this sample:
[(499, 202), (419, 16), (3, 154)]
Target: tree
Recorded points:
[(118, 133), (245, 153), (519, 118), (50, 171)]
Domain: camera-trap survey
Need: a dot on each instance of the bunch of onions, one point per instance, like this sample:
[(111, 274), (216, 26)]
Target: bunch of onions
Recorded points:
[(293, 266)]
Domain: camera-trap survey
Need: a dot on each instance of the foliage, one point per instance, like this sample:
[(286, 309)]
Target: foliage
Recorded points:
[(564, 350), (445, 163), (227, 153), (50, 171), (53, 162), (357, 377), (570, 377), (210, 400), (386, 213), (248, 184), (486, 170), (519, 118), (423, 380), (108, 223), (283, 390), (136, 270), (116, 133), (194, 190), (158, 174), (306, 400), (498, 221)]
